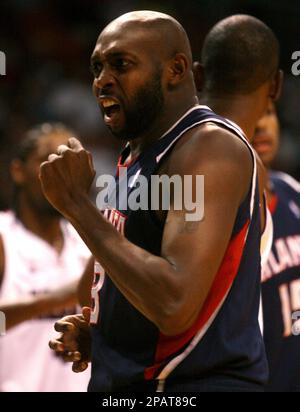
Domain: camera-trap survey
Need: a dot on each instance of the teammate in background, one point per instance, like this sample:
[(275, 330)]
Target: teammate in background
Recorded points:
[(175, 302), (281, 274), (41, 260), (231, 77)]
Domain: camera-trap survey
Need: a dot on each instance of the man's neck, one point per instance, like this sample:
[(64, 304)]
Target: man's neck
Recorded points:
[(171, 114), (43, 226), (241, 109)]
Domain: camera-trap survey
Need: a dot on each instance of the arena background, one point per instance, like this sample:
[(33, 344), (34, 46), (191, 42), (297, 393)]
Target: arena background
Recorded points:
[(48, 44)]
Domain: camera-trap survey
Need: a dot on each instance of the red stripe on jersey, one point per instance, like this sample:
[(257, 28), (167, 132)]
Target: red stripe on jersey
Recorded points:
[(124, 163), (273, 203), (169, 345)]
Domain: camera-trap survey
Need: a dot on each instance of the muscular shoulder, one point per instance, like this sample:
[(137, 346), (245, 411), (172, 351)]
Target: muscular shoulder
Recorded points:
[(212, 144), (210, 149)]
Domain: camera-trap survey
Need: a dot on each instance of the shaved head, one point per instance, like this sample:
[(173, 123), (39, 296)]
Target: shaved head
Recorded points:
[(240, 53), (159, 28), (142, 67)]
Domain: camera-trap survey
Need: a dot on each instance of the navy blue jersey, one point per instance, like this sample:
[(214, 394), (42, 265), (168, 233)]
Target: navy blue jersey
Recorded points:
[(281, 286), (129, 352)]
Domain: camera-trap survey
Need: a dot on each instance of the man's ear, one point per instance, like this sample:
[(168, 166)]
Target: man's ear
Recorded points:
[(177, 69), (17, 172), (276, 86), (198, 71)]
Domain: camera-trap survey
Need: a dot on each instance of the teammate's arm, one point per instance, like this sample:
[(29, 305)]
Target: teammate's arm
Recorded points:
[(171, 289)]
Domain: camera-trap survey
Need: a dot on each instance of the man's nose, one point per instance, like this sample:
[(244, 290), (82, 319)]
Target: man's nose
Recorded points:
[(261, 124), (105, 80)]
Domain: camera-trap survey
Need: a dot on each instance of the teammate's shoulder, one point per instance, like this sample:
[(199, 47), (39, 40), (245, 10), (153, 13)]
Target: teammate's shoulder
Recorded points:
[(285, 181)]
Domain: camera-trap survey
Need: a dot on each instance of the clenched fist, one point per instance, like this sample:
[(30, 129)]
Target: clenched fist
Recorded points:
[(67, 176), (74, 343)]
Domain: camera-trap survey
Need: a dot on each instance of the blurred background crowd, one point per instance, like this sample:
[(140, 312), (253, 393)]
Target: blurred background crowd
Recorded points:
[(48, 45)]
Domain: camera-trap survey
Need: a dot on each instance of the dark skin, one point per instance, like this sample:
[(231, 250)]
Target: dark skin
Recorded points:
[(120, 66), (266, 140), (85, 283), (32, 202), (33, 212), (158, 286), (245, 110), (23, 309)]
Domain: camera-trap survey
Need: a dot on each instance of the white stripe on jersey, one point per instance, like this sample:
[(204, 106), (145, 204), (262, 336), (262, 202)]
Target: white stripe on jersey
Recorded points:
[(288, 180), (180, 358), (230, 125), (238, 131)]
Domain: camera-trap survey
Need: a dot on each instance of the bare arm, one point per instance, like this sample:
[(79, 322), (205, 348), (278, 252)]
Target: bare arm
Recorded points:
[(171, 289), (85, 284), (26, 308), (263, 182), (23, 309)]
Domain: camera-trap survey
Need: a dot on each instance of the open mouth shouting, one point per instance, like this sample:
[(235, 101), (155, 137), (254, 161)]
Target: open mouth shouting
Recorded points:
[(111, 109)]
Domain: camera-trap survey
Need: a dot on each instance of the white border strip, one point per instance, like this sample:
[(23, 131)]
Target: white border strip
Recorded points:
[(198, 106)]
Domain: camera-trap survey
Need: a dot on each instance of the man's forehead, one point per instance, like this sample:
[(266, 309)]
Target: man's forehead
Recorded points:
[(125, 40)]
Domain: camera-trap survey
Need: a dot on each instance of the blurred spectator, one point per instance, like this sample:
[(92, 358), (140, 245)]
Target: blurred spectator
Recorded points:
[(41, 260)]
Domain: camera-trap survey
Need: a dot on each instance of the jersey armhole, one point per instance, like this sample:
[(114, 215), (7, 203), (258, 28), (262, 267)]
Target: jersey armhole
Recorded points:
[(266, 209), (267, 236)]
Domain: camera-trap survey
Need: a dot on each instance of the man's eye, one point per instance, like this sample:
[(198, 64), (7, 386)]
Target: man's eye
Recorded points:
[(96, 68), (121, 64)]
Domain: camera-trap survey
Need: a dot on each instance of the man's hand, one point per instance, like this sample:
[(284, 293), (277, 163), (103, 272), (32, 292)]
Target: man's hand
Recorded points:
[(74, 344), (67, 176)]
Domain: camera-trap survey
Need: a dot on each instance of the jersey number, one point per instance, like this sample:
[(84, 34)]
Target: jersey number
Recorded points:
[(290, 302), (99, 276)]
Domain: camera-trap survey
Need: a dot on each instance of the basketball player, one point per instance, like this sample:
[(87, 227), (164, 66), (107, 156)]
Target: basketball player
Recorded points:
[(233, 71), (281, 274), (175, 302), (41, 260)]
